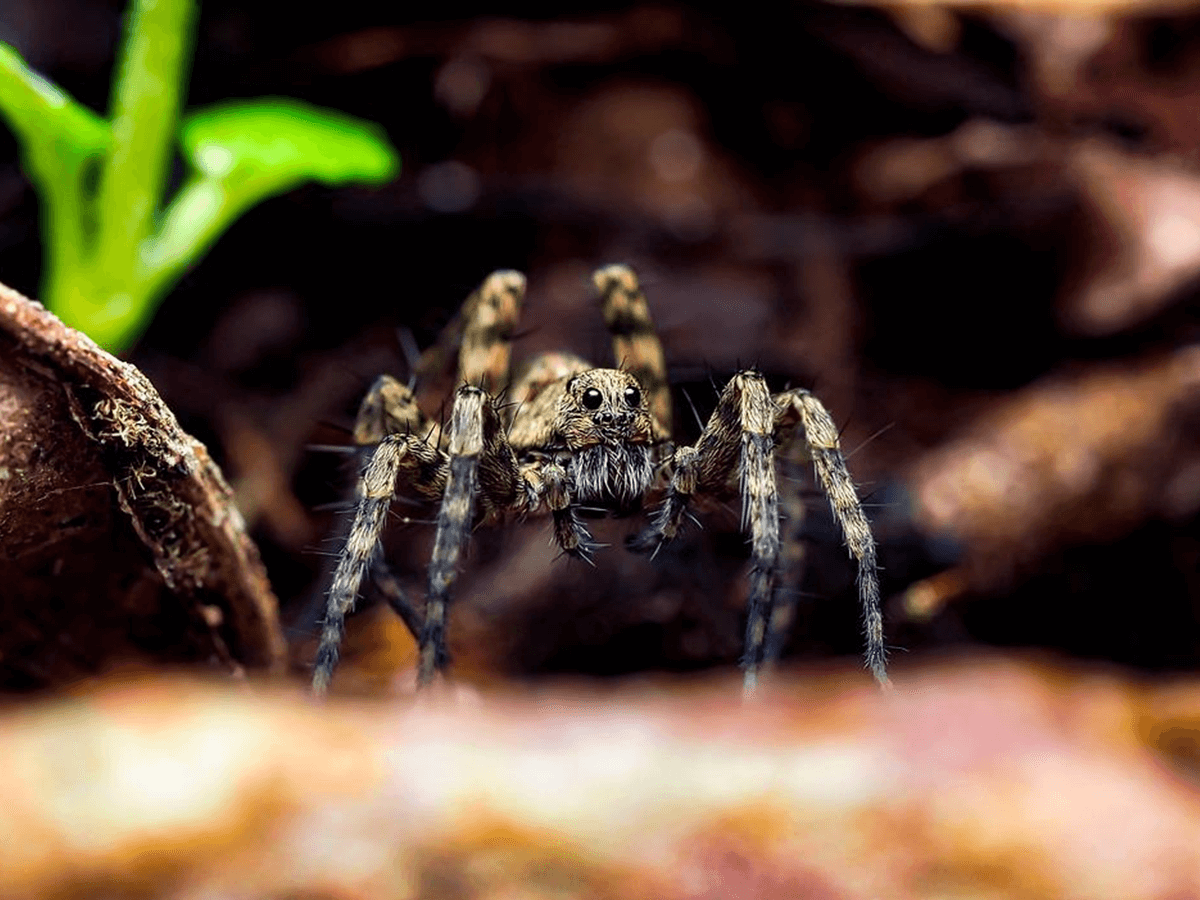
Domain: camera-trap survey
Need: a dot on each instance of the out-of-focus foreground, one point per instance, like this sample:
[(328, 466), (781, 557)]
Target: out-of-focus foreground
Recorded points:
[(974, 782)]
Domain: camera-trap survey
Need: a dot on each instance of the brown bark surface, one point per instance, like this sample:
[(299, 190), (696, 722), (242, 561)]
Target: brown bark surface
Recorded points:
[(119, 543)]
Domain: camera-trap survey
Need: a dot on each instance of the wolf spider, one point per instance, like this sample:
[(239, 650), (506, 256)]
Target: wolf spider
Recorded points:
[(571, 436)]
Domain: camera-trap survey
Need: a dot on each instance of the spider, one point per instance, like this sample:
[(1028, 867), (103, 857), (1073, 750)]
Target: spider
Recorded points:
[(570, 436)]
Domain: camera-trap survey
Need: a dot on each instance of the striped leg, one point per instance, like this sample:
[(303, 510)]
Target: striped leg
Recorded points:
[(489, 319), (389, 407), (821, 439), (481, 463), (738, 439), (425, 468), (791, 461), (635, 342)]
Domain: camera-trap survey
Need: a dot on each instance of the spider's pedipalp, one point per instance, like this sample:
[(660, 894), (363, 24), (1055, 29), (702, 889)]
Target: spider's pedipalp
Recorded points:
[(569, 531), (636, 346), (425, 465), (821, 440), (664, 524)]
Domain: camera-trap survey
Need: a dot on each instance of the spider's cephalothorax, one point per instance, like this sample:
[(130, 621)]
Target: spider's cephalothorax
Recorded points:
[(599, 428), (571, 437)]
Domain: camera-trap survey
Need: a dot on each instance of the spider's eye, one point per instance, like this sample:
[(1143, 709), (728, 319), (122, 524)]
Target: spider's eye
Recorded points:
[(633, 396), (592, 398)]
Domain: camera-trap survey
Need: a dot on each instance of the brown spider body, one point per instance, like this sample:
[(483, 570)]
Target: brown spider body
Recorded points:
[(596, 422), (570, 438)]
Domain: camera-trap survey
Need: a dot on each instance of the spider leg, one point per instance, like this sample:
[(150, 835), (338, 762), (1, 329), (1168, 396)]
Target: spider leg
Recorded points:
[(738, 439), (636, 346), (821, 439), (489, 319), (481, 464), (791, 549), (425, 466), (388, 585), (760, 510), (473, 347), (389, 407)]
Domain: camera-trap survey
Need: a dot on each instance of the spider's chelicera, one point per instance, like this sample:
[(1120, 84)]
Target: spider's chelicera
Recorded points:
[(571, 437)]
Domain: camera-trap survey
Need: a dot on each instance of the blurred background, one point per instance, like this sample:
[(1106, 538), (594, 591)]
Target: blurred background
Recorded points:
[(974, 234)]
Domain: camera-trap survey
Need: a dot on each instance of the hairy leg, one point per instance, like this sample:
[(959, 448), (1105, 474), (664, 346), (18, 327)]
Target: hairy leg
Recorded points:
[(389, 407), (636, 346), (474, 346), (480, 463), (821, 439), (425, 469), (760, 513), (489, 320), (791, 461), (738, 440)]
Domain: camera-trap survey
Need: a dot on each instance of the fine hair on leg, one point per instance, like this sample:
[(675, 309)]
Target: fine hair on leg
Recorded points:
[(636, 346), (483, 466), (760, 514), (453, 524), (821, 439), (791, 461), (394, 453), (389, 407), (738, 439), (489, 320)]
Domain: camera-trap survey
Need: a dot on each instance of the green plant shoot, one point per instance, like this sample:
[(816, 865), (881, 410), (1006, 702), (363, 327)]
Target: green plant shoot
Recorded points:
[(114, 244)]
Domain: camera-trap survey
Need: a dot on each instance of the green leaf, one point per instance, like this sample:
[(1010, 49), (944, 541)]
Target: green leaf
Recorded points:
[(59, 138), (113, 250), (245, 151), (149, 87), (39, 111), (286, 142)]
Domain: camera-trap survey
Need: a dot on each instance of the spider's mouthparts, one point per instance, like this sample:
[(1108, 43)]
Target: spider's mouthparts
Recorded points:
[(616, 474), (612, 437)]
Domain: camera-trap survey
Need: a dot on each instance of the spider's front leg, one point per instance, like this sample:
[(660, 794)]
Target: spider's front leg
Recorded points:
[(739, 438), (481, 464)]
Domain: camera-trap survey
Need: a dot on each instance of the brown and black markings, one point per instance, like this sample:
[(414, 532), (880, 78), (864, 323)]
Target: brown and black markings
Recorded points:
[(571, 436)]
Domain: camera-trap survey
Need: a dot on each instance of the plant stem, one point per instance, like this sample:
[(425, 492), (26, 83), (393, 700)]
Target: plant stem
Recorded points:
[(145, 104)]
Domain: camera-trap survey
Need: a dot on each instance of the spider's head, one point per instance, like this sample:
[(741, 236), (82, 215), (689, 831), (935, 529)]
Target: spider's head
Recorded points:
[(604, 406), (605, 422)]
